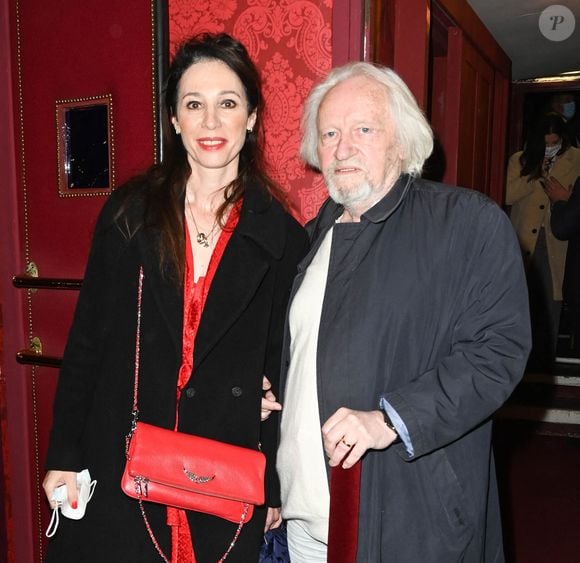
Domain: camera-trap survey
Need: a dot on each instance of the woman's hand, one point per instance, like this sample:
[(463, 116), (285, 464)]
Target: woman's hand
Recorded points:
[(273, 519), (546, 165), (556, 191), (54, 479), (269, 402)]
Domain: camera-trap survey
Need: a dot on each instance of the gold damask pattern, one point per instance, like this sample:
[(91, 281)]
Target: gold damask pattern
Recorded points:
[(290, 41)]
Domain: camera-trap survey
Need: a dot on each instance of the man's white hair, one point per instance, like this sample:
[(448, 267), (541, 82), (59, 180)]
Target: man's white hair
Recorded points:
[(412, 131)]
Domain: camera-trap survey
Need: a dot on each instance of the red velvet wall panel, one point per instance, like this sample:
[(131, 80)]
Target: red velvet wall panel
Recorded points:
[(290, 41)]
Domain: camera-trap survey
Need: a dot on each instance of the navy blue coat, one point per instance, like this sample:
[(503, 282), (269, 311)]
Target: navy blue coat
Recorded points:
[(425, 305), (239, 339)]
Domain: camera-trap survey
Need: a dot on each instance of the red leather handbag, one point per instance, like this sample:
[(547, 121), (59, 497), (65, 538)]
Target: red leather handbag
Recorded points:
[(193, 473), (186, 471)]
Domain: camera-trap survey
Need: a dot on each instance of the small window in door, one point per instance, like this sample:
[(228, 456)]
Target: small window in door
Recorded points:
[(85, 146)]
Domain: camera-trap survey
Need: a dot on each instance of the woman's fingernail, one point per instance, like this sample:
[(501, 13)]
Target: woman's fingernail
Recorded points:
[(74, 505)]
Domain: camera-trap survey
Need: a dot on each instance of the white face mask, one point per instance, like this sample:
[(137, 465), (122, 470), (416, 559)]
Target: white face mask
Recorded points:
[(551, 152), (568, 110)]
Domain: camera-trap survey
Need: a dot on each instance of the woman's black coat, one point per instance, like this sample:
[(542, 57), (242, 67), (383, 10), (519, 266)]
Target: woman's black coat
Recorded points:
[(239, 340)]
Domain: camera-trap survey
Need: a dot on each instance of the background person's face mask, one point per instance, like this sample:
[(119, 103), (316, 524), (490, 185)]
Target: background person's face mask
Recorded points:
[(568, 110), (552, 151)]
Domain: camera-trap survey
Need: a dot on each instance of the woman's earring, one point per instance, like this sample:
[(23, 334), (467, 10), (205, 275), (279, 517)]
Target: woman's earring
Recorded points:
[(249, 129)]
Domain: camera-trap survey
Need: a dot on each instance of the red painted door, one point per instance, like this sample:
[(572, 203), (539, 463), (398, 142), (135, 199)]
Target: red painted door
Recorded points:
[(93, 54), (469, 88), (458, 73), (470, 97)]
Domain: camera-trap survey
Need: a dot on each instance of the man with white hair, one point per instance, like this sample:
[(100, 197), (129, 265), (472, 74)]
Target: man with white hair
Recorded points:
[(407, 328)]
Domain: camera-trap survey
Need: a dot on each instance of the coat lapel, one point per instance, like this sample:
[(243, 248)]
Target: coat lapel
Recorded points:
[(318, 227), (166, 294), (258, 239), (564, 165)]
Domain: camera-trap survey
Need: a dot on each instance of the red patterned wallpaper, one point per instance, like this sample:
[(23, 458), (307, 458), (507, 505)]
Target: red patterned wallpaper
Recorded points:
[(290, 41)]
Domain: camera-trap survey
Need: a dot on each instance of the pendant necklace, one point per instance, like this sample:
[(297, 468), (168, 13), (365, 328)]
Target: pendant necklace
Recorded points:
[(202, 239)]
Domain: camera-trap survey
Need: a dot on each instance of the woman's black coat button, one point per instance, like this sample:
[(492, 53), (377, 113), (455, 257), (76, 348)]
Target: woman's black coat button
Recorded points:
[(190, 392), (237, 391)]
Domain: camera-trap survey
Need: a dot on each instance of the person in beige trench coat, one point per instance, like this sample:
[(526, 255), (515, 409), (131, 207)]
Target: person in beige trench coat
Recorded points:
[(547, 162)]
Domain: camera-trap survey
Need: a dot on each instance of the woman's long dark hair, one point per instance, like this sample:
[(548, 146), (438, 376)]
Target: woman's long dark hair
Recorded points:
[(533, 156), (164, 183)]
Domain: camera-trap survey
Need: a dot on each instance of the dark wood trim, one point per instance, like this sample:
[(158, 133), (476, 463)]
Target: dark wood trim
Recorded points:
[(160, 66), (499, 134), (27, 357), (462, 14), (28, 282)]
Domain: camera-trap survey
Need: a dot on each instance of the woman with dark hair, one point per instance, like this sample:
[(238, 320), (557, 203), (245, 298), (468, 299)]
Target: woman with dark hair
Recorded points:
[(548, 162), (218, 253)]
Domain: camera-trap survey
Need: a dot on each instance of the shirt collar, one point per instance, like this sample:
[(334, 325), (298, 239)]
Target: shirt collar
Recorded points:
[(386, 206), (380, 211), (262, 221)]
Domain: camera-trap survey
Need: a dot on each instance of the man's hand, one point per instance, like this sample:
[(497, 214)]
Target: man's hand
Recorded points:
[(348, 434), (269, 402), (273, 518)]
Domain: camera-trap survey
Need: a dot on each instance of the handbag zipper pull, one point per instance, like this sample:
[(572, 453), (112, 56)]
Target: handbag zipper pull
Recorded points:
[(141, 486)]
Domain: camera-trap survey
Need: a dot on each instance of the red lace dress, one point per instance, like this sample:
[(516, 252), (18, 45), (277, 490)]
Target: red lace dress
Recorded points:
[(194, 297)]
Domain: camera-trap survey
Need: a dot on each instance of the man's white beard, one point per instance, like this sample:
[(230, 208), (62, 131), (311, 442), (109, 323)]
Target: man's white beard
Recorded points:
[(348, 196)]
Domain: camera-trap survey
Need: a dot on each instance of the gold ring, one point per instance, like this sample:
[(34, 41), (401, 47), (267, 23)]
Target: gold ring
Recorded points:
[(346, 443)]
